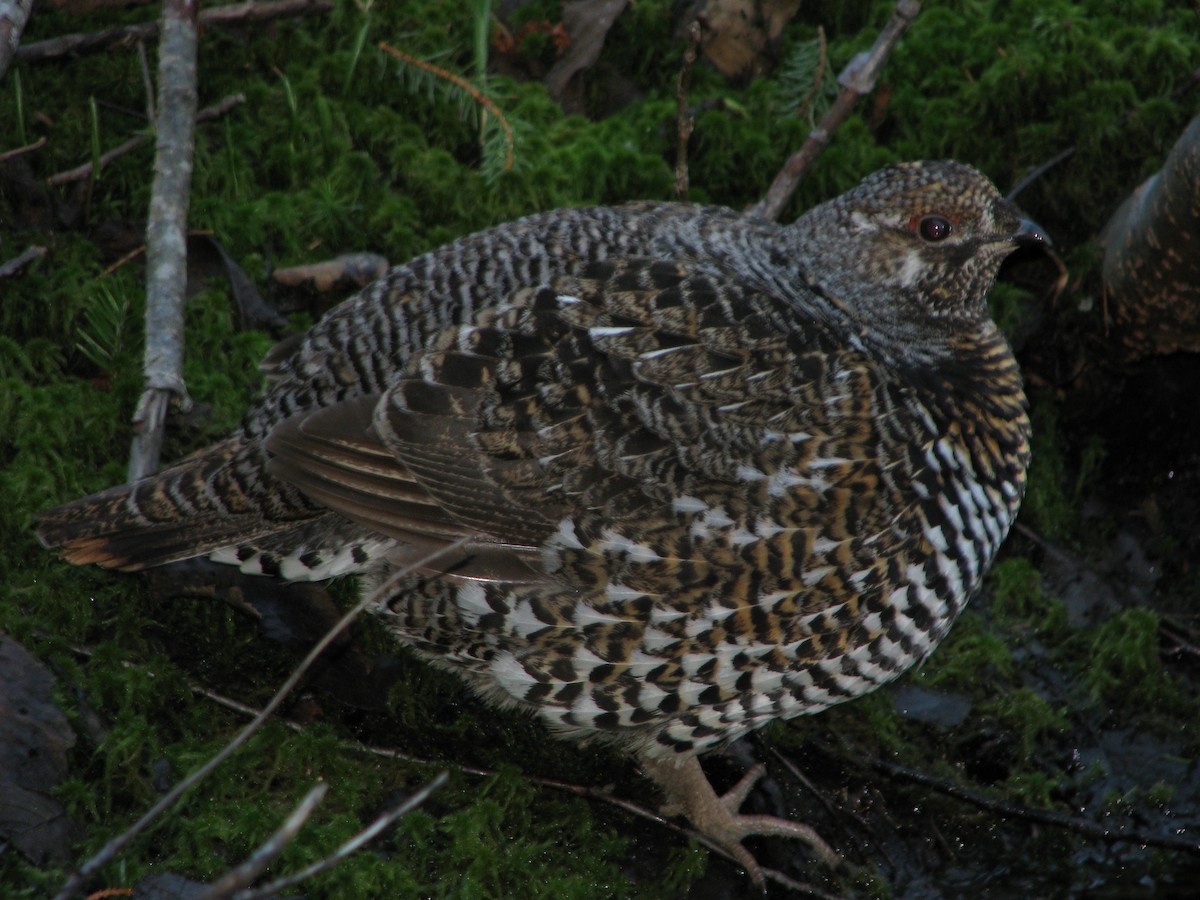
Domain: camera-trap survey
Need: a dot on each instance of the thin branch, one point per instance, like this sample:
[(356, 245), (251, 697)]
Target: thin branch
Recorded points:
[(857, 79), (83, 172), (684, 123), (1039, 171), (835, 814), (368, 834), (578, 790), (477, 95), (1180, 635), (17, 151), (13, 16), (117, 844), (1181, 90), (166, 235), (1109, 833), (79, 173), (17, 263), (215, 16), (247, 873)]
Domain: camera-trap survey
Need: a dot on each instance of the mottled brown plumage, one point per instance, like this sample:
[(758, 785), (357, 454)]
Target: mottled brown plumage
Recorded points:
[(712, 471)]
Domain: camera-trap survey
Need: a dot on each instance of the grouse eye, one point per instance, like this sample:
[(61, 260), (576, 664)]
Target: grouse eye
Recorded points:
[(935, 228)]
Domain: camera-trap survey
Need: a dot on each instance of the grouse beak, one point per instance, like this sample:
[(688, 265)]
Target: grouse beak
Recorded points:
[(1029, 233)]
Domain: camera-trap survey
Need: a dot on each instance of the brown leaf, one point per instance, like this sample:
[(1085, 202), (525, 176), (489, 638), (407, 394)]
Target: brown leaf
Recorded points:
[(34, 740), (737, 32), (254, 312), (588, 23)]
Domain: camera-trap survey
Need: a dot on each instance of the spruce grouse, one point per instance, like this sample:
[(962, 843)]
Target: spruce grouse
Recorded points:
[(712, 471)]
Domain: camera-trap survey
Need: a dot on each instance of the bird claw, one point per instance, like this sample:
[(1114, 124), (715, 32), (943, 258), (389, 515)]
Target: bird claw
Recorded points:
[(690, 794)]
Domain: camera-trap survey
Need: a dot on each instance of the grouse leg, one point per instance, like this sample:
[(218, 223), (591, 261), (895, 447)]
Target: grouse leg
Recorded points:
[(689, 793)]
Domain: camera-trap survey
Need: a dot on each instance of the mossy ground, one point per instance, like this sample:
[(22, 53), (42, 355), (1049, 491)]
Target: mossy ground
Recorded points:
[(332, 152)]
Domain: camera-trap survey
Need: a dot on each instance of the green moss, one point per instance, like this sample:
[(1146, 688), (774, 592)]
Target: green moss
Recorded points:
[(497, 847), (973, 659), (1027, 716), (1122, 665), (1035, 790), (1048, 502), (1018, 598)]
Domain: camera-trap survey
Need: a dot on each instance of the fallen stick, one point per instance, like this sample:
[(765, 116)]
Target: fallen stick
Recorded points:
[(17, 151), (17, 263), (857, 79), (216, 16), (79, 173), (166, 234)]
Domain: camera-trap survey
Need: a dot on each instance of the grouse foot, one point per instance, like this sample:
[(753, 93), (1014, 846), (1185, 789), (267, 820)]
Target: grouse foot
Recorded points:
[(689, 793)]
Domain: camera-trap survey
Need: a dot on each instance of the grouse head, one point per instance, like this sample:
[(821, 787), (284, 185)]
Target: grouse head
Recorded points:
[(911, 253)]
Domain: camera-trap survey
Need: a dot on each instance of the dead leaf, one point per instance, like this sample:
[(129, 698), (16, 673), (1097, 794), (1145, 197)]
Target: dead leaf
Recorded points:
[(34, 740), (588, 23), (254, 312), (738, 32)]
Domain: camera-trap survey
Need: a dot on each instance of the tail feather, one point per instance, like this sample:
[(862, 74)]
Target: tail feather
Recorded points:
[(202, 504)]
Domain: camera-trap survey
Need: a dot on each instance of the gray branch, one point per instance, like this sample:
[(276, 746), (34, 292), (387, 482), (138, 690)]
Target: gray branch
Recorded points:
[(166, 234), (13, 16), (83, 172), (857, 79), (219, 16), (17, 263)]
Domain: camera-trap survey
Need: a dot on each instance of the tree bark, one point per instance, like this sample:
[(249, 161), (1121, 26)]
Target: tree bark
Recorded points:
[(13, 16), (166, 234)]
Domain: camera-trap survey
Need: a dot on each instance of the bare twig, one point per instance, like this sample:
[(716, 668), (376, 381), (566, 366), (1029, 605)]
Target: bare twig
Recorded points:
[(79, 173), (589, 793), (13, 16), (117, 844), (17, 151), (214, 16), (857, 79), (1110, 832), (83, 172), (17, 263), (1040, 171), (246, 874), (1178, 634), (684, 122), (166, 235), (279, 885), (1181, 90)]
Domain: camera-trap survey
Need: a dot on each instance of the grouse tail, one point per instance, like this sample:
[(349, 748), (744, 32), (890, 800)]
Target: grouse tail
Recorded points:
[(207, 501)]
